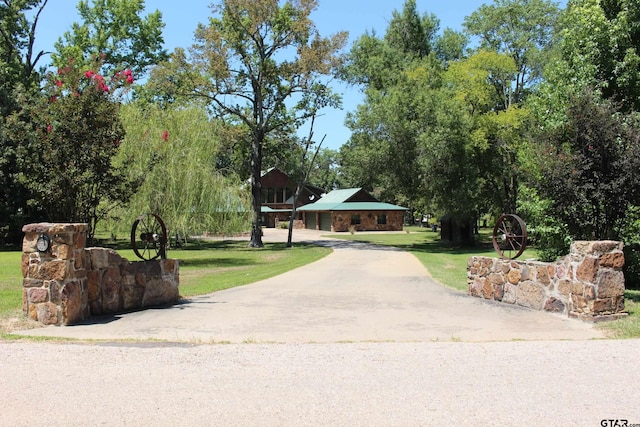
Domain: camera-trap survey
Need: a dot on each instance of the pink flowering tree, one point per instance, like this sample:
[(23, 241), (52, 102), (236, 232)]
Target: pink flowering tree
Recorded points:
[(75, 136)]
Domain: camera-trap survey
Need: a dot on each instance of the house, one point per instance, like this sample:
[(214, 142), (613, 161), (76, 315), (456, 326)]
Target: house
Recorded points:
[(341, 209), (278, 191)]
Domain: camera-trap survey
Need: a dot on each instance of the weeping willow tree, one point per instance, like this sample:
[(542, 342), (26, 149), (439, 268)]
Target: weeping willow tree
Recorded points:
[(176, 150)]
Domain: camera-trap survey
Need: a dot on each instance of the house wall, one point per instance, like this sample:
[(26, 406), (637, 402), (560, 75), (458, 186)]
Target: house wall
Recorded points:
[(587, 284), (341, 221)]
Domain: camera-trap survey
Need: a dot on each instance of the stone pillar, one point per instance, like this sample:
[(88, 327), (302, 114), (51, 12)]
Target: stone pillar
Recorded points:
[(55, 281)]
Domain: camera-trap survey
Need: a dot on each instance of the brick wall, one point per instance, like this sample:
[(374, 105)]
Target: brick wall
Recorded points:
[(341, 221)]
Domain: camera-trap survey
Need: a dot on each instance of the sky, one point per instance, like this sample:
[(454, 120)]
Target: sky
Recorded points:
[(354, 16)]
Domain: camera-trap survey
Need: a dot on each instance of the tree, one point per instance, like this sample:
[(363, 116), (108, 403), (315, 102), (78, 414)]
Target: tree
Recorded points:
[(176, 149), (266, 67), (396, 73), (600, 46), (115, 31), (451, 45), (19, 78), (324, 172), (70, 136), (522, 29), (590, 169), (498, 128), (410, 34), (18, 60)]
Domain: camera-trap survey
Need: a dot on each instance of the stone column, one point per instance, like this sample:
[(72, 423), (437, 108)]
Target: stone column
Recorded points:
[(55, 281)]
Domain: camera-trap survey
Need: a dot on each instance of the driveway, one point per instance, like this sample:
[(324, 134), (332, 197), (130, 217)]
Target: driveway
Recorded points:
[(363, 336), (359, 293)]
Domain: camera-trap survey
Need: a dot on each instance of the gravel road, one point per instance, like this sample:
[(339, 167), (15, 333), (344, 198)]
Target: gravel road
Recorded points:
[(568, 383)]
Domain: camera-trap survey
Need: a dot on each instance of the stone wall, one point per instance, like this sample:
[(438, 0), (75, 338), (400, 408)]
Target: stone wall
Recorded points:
[(587, 284), (69, 283), (341, 221)]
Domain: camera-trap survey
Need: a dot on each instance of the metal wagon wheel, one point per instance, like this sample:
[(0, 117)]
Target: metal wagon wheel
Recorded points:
[(149, 237), (510, 236)]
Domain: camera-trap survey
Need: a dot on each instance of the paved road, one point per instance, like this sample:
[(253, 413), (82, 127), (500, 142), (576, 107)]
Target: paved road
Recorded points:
[(359, 293)]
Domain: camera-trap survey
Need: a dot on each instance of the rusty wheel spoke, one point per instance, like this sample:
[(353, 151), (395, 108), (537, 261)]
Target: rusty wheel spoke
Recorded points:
[(509, 235), (149, 237)]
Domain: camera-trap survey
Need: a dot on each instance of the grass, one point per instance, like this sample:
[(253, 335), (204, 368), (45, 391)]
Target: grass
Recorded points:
[(214, 266), (10, 291), (628, 327), (205, 267)]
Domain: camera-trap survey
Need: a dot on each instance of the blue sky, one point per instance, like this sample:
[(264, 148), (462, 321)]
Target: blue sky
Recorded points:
[(354, 16)]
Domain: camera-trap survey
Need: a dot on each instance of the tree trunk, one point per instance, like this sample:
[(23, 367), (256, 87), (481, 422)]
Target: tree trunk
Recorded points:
[(457, 230), (256, 189), (293, 215)]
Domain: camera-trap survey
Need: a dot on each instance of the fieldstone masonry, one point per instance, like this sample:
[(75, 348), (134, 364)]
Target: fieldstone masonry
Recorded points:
[(69, 282), (587, 284)]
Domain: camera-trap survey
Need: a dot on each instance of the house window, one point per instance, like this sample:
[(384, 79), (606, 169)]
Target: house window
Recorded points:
[(279, 195), (355, 219), (382, 219)]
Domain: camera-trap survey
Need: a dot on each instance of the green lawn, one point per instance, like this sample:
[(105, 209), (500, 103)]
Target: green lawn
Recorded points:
[(220, 265), (10, 281)]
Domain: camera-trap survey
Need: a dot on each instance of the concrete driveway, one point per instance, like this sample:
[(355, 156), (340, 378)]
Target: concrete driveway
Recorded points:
[(359, 293)]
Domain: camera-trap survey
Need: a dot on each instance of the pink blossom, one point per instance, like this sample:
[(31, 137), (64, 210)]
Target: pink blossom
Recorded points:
[(49, 128), (165, 135), (58, 83), (89, 74), (130, 79), (53, 99)]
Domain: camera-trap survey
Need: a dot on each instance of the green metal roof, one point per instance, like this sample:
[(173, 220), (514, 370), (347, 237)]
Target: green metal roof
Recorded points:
[(267, 209), (338, 200), (338, 196)]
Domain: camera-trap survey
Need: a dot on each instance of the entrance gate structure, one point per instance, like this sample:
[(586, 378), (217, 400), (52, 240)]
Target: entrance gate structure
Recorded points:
[(66, 282)]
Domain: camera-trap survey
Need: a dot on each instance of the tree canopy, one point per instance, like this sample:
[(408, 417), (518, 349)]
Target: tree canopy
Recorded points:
[(116, 32)]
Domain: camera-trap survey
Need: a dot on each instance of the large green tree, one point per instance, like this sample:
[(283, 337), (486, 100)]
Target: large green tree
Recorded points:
[(18, 59), (264, 65), (600, 48), (116, 32), (19, 78), (396, 73)]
